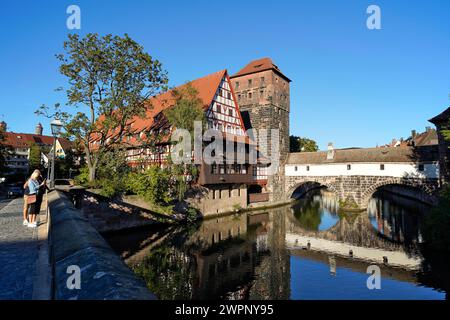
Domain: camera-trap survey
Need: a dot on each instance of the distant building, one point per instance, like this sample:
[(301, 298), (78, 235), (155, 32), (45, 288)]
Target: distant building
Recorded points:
[(442, 122), (427, 138), (20, 144)]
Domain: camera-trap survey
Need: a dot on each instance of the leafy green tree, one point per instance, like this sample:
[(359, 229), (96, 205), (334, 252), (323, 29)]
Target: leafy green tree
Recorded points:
[(34, 160), (298, 144), (437, 224), (4, 152), (152, 184), (113, 77), (188, 108)]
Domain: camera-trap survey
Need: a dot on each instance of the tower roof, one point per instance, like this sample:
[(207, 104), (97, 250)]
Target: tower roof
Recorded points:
[(442, 117), (258, 66)]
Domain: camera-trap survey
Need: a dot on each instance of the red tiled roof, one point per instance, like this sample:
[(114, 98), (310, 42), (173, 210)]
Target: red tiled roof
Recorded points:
[(205, 86), (258, 66), (24, 140)]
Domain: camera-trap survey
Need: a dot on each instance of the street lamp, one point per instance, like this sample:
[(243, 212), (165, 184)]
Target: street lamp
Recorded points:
[(56, 126)]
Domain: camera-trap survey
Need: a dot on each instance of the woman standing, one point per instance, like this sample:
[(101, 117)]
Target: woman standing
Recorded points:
[(33, 186)]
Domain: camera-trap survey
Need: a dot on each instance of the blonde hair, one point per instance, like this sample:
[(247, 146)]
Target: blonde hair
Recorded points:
[(36, 173)]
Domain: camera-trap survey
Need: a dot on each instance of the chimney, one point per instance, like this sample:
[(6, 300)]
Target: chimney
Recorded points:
[(3, 126), (38, 130), (413, 133), (330, 153), (428, 129)]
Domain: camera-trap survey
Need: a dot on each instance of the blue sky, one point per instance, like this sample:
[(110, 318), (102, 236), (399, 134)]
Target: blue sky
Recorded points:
[(351, 85)]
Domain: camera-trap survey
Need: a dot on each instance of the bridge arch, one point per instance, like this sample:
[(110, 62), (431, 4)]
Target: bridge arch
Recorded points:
[(412, 188), (299, 189)]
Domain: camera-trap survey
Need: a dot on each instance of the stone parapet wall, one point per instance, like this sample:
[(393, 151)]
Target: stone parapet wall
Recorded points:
[(74, 243)]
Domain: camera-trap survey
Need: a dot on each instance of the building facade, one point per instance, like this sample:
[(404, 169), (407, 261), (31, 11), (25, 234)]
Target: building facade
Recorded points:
[(20, 144), (263, 95), (442, 122)]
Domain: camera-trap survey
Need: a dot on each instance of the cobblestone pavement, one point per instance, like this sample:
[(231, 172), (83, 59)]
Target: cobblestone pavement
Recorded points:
[(18, 253)]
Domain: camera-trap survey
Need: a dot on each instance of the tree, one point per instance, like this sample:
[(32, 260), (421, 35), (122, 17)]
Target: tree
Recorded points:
[(4, 152), (34, 160), (298, 144), (188, 108), (113, 78)]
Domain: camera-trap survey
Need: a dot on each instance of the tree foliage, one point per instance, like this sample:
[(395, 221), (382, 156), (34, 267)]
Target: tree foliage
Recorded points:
[(153, 184), (298, 144), (4, 152), (437, 224), (34, 160), (110, 80)]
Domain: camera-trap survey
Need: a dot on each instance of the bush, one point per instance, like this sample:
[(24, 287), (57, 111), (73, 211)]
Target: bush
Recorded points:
[(83, 178), (151, 184), (437, 224)]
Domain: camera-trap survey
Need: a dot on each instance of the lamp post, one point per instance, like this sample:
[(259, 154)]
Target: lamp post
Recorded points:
[(56, 126)]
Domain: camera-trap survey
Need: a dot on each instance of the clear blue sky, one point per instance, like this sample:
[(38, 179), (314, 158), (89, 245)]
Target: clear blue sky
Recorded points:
[(351, 85)]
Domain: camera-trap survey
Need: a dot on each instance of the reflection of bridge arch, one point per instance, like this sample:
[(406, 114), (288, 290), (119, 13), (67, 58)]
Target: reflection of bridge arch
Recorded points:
[(298, 190), (415, 188)]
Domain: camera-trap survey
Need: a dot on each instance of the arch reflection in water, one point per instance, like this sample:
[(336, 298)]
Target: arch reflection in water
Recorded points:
[(318, 210), (255, 256)]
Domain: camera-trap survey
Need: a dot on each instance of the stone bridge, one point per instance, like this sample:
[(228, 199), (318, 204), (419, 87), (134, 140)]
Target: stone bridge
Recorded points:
[(354, 175), (360, 189)]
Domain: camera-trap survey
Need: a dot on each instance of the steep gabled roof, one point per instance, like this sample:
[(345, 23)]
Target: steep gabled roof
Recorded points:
[(206, 87), (442, 117), (258, 66)]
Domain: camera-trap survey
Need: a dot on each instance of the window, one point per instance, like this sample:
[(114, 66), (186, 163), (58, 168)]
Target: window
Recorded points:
[(222, 169), (214, 194), (228, 95), (349, 167), (381, 166), (249, 82), (230, 191), (218, 108), (230, 112), (261, 93), (239, 97), (237, 84), (295, 168), (214, 169), (262, 80), (220, 93), (421, 167), (307, 168), (249, 95)]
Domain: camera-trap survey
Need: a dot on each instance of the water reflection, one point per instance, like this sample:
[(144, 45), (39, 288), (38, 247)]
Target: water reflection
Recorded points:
[(317, 211), (311, 250)]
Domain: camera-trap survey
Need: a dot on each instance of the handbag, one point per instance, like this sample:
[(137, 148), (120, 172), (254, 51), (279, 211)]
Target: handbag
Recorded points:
[(31, 199)]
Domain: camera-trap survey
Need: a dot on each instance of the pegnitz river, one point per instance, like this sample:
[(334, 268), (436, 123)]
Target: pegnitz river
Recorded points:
[(308, 250)]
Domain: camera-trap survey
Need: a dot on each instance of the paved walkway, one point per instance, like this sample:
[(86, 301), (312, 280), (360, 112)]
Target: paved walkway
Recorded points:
[(18, 253)]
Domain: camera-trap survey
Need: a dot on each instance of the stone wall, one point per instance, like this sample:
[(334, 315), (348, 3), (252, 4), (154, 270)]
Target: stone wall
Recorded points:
[(212, 200), (75, 243), (359, 189), (265, 104)]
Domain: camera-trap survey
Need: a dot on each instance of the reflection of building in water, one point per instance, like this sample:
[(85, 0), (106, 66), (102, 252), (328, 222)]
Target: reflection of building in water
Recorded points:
[(232, 257), (399, 223)]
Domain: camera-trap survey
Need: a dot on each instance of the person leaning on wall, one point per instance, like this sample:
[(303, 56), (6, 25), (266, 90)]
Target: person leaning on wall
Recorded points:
[(33, 185)]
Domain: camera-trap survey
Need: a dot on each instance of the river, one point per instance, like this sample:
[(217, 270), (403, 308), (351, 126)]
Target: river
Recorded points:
[(308, 250)]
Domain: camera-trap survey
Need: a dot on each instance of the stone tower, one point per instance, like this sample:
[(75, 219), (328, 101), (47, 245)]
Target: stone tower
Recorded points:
[(263, 96), (38, 130)]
